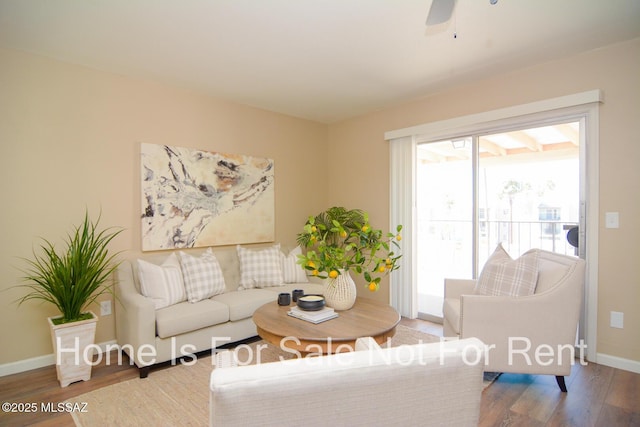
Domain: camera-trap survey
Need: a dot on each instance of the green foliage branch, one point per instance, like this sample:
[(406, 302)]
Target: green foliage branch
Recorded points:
[(74, 277), (340, 240)]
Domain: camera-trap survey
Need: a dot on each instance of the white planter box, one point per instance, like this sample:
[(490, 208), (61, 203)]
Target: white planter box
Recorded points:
[(70, 341)]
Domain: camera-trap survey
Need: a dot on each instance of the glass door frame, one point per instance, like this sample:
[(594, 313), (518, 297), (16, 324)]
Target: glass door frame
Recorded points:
[(582, 107), (474, 192), (473, 164)]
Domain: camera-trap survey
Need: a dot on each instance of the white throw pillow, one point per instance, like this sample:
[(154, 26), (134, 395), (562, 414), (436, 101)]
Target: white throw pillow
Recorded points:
[(503, 275), (162, 283), (260, 268), (202, 276), (293, 272)]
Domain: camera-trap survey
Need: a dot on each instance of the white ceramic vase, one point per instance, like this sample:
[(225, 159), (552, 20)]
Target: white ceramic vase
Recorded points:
[(340, 293)]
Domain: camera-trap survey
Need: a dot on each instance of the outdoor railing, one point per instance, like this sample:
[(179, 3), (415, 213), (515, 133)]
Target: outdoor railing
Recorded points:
[(519, 236), (516, 236)]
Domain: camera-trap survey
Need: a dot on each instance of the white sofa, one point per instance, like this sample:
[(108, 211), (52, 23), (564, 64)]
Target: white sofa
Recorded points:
[(150, 336), (424, 384)]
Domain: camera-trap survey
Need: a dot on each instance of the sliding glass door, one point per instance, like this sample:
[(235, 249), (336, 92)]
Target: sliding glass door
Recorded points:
[(444, 202), (519, 187)]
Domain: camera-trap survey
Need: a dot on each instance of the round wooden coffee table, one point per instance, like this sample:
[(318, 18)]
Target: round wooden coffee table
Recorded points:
[(367, 318)]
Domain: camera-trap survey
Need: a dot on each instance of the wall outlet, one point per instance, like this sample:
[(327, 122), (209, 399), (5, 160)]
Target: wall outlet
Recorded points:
[(105, 308), (617, 319)]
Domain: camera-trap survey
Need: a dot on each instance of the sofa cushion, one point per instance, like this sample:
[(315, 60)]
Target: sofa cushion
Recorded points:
[(162, 283), (293, 272), (260, 267), (502, 275), (228, 259), (186, 317), (242, 304), (202, 276)]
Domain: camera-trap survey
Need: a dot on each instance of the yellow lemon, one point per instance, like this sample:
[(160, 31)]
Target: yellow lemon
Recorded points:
[(398, 237), (365, 228), (373, 287), (314, 272), (333, 274), (382, 269), (314, 228), (343, 234), (388, 261), (311, 264), (312, 239)]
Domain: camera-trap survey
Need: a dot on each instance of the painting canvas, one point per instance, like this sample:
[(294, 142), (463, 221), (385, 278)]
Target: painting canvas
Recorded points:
[(194, 198)]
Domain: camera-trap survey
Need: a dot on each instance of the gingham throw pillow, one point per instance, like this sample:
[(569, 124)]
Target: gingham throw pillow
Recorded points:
[(163, 284), (260, 268), (202, 276), (292, 272), (503, 275)]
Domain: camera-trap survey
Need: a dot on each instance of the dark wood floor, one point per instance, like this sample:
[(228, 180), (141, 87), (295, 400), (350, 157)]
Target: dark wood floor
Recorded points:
[(598, 395)]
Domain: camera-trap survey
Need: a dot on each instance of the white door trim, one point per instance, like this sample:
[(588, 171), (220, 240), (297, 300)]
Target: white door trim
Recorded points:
[(443, 128)]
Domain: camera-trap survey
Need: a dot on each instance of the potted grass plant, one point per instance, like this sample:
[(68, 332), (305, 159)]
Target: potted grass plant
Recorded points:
[(72, 278)]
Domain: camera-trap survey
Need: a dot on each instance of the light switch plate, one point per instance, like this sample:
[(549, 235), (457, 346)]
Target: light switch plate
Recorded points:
[(612, 220)]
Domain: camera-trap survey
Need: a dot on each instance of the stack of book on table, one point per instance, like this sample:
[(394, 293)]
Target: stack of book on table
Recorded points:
[(326, 313)]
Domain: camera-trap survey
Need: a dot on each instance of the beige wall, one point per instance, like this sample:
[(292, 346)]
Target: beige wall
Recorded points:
[(70, 138), (616, 71)]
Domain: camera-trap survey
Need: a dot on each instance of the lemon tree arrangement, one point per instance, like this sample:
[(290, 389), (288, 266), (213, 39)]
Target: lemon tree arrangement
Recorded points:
[(339, 240)]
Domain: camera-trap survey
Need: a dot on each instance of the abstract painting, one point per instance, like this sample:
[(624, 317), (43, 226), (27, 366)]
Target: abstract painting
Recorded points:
[(194, 198)]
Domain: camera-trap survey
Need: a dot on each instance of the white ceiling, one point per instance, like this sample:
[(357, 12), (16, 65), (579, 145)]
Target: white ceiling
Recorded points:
[(324, 60)]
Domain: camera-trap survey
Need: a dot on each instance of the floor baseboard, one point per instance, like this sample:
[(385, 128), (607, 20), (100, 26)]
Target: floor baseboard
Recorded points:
[(40, 361), (618, 362)]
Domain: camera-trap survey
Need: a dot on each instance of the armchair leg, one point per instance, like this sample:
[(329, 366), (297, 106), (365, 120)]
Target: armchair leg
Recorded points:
[(144, 371), (561, 384)]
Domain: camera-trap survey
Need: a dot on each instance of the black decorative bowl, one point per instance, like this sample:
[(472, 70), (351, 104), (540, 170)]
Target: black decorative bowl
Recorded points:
[(311, 302)]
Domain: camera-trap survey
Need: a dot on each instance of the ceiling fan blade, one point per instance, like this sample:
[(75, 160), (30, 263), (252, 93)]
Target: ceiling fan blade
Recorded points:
[(440, 11)]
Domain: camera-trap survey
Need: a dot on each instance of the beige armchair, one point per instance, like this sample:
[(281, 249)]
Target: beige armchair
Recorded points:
[(533, 334)]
